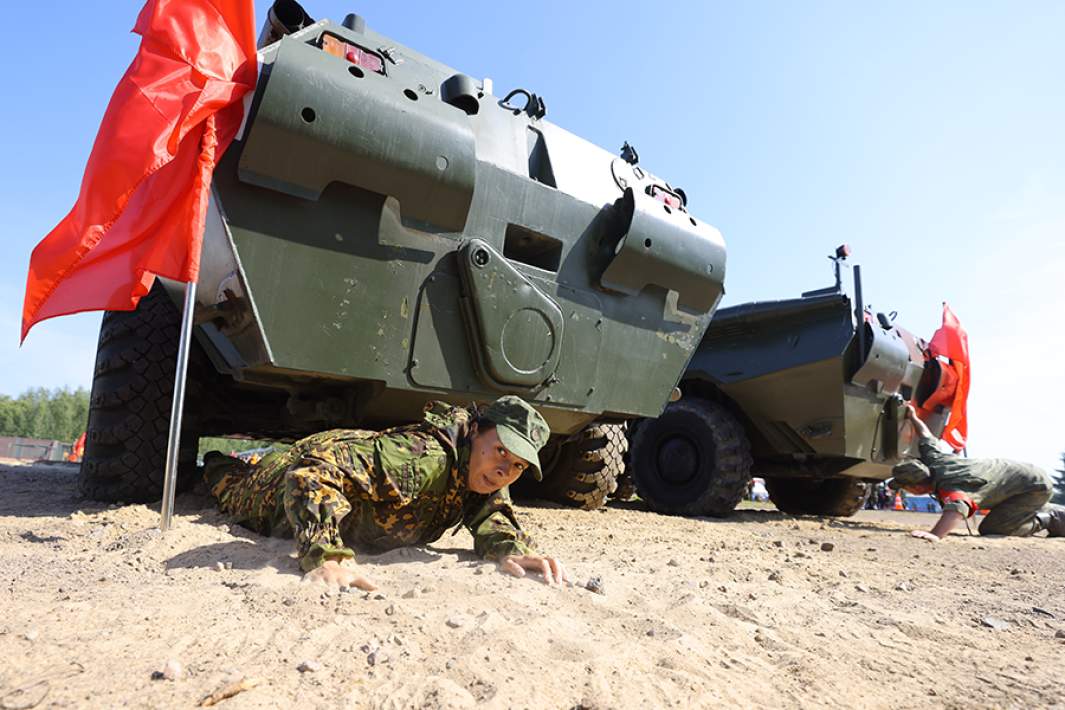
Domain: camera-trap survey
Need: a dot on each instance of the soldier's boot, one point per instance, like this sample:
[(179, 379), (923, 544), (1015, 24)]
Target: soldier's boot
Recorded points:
[(1052, 519)]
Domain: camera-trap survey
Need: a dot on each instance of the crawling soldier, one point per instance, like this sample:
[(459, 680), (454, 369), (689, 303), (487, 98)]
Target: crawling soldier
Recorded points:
[(404, 486), (1017, 494)]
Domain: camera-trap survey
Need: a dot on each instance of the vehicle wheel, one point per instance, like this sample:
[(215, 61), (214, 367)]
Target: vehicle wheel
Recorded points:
[(810, 496), (692, 460), (626, 489), (580, 472), (129, 408)]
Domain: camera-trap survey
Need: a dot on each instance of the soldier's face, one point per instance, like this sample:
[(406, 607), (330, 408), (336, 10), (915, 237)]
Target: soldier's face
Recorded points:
[(492, 467)]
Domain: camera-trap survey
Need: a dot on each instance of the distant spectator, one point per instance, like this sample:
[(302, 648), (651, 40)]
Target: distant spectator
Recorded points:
[(884, 497)]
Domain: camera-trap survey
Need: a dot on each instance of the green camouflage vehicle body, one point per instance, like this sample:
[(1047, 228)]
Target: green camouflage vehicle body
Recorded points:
[(386, 231), (808, 393)]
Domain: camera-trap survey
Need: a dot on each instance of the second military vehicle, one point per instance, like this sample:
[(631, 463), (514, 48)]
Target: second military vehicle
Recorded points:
[(808, 393), (387, 231)]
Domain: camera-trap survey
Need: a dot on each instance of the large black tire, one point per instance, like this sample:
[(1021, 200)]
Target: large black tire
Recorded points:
[(841, 497), (692, 460), (129, 409), (580, 472)]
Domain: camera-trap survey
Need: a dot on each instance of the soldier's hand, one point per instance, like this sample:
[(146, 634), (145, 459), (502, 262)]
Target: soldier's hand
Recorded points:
[(925, 535), (911, 413), (549, 567), (333, 574)]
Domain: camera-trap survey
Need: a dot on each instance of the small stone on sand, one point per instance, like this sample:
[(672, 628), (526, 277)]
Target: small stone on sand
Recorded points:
[(309, 666), (172, 670), (993, 622)]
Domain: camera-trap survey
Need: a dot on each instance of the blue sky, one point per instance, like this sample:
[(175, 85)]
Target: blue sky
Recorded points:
[(929, 136)]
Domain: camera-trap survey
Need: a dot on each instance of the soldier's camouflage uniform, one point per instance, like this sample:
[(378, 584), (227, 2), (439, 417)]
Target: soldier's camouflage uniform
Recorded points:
[(1017, 494), (369, 490)]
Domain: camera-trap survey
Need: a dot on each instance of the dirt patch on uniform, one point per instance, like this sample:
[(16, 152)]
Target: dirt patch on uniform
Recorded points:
[(690, 612)]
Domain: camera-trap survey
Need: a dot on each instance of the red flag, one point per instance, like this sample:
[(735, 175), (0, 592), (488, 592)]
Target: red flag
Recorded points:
[(952, 342), (143, 200)]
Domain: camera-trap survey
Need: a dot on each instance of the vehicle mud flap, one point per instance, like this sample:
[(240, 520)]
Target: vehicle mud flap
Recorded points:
[(317, 123), (889, 364), (516, 330), (664, 246)]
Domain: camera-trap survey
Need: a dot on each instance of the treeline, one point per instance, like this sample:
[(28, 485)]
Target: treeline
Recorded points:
[(233, 446), (39, 413), (1059, 483)]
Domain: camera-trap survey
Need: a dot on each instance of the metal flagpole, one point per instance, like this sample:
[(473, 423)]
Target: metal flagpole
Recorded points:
[(173, 444)]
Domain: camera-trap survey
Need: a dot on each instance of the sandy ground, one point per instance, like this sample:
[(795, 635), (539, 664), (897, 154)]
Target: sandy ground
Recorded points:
[(751, 611)]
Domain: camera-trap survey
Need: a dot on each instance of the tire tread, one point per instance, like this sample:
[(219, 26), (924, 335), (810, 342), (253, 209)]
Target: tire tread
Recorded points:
[(129, 407), (586, 470), (732, 461), (836, 497)]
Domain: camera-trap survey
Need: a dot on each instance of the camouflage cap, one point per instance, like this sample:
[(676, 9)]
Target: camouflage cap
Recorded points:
[(909, 473), (520, 429)]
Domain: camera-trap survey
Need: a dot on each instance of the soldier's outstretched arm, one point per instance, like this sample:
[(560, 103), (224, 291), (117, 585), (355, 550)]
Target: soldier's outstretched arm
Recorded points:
[(927, 441), (947, 522), (314, 505), (550, 567), (333, 574), (495, 529), (918, 424), (498, 537)]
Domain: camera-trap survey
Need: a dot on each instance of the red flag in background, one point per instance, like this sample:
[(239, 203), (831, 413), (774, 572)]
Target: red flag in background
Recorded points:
[(952, 342), (143, 200)]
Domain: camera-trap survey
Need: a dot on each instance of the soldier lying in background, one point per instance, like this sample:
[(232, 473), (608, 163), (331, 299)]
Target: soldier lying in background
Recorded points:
[(1017, 494), (405, 486)]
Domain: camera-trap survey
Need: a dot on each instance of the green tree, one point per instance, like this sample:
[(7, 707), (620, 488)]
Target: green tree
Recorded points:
[(41, 420), (38, 413), (1059, 483), (227, 446), (70, 413), (12, 416)]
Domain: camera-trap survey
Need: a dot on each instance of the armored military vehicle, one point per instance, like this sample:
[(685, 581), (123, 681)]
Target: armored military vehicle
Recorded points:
[(808, 393), (386, 231)]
